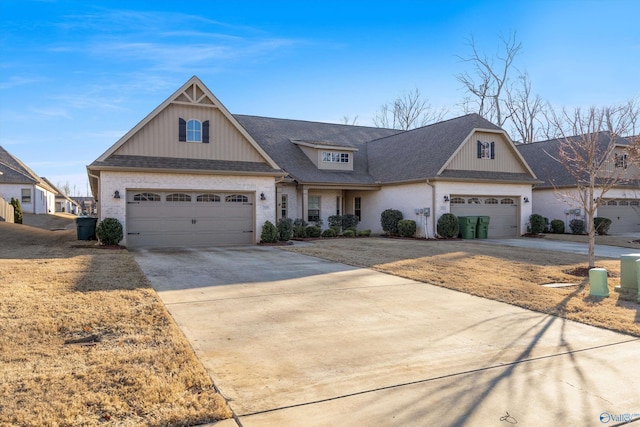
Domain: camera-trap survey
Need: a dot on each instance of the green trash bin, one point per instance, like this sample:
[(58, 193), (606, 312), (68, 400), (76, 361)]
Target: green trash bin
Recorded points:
[(86, 227), (468, 226), (482, 229)]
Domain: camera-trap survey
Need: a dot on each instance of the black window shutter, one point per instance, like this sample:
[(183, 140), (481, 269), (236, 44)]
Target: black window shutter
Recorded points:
[(493, 150), (182, 130), (479, 149), (205, 131)]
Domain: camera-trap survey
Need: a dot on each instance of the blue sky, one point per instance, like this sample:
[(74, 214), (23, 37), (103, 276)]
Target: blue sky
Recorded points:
[(77, 75)]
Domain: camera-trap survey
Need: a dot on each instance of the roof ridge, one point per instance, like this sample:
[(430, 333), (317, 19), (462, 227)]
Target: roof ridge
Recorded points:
[(316, 122)]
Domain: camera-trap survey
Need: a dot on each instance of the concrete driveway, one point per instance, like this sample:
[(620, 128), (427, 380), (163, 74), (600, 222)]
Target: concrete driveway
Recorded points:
[(561, 246), (293, 340)]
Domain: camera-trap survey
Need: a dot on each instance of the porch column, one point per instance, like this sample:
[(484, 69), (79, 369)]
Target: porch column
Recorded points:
[(305, 203), (278, 202)]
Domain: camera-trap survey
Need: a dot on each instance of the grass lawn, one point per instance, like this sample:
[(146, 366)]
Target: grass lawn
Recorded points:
[(85, 341), (501, 273)]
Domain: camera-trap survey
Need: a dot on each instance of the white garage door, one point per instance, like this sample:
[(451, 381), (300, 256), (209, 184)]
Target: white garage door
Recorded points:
[(624, 215), (188, 218), (503, 212)]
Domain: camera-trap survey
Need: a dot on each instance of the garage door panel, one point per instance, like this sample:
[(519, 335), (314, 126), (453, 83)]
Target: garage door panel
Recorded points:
[(624, 215), (204, 219), (502, 211)]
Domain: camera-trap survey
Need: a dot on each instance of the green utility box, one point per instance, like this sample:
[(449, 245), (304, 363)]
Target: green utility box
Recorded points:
[(468, 226), (86, 227), (482, 229)]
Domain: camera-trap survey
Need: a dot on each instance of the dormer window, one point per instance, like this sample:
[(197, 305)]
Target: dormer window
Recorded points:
[(193, 131), (335, 157)]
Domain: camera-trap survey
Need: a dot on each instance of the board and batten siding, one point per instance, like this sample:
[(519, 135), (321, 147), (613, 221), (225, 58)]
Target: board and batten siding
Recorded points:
[(505, 159), (159, 138)]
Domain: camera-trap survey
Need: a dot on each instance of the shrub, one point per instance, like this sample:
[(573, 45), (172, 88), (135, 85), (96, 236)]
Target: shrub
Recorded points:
[(602, 225), (299, 222), (285, 229), (335, 221), (577, 226), (349, 221), (109, 231), (329, 232), (364, 233), (448, 226), (299, 231), (407, 227), (389, 221), (17, 211), (537, 224), (313, 231), (349, 233), (269, 233), (557, 226)]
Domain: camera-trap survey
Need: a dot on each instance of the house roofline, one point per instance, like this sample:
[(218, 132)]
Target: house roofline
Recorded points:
[(278, 173)]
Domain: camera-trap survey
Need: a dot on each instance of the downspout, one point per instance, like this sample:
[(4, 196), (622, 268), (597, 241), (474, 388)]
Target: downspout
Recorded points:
[(433, 208)]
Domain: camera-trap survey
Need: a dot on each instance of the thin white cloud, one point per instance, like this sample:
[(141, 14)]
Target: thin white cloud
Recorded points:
[(15, 81), (52, 112)]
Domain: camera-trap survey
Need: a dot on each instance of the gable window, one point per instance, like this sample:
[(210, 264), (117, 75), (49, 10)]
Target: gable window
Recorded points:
[(313, 208), (620, 161), (335, 157), (178, 197), (193, 131), (357, 208), (146, 197), (26, 195), (486, 150)]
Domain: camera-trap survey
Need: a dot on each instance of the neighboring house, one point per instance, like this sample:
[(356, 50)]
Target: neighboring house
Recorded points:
[(192, 174), (556, 197), (20, 182), (64, 203), (86, 205)]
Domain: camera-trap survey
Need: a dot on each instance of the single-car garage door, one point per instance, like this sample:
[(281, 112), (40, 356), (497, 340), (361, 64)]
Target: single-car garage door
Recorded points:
[(189, 218), (624, 215), (503, 212)]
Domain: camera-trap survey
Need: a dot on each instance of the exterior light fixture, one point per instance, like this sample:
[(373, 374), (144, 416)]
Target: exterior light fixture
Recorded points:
[(526, 199), (116, 195), (262, 196), (446, 198)]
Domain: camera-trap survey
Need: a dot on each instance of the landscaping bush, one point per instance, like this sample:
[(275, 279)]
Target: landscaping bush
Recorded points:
[(348, 233), (557, 226), (299, 222), (269, 233), (602, 225), (285, 229), (329, 232), (537, 224), (407, 227), (389, 221), (313, 231), (109, 231), (17, 211), (448, 226), (576, 226), (299, 231), (364, 233), (335, 221), (349, 221)]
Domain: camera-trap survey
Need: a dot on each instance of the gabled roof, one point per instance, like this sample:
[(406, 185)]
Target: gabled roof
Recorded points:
[(193, 91), (542, 155), (278, 137), (423, 152), (16, 172)]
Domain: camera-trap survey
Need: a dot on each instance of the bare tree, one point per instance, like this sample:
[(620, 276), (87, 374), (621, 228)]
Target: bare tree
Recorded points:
[(65, 188), (586, 151), (487, 84), (408, 111), (524, 110), (346, 120)]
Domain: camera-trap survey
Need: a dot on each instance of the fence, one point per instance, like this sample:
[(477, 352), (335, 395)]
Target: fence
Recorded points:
[(6, 211)]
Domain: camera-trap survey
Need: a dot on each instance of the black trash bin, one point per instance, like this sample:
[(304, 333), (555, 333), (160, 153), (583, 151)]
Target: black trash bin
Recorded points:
[(86, 227)]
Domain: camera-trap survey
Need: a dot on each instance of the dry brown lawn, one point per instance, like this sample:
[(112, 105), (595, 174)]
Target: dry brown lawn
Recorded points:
[(85, 341), (507, 274)]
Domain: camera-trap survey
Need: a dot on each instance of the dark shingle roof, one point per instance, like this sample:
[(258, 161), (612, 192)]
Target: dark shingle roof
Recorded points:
[(16, 172), (541, 157), (420, 153), (275, 137), (170, 163)]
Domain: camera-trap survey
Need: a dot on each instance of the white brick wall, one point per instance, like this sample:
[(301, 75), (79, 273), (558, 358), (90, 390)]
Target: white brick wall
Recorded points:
[(123, 181)]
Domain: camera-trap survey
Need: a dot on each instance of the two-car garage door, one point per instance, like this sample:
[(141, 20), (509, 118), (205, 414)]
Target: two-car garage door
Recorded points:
[(624, 215), (189, 218), (503, 212)]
